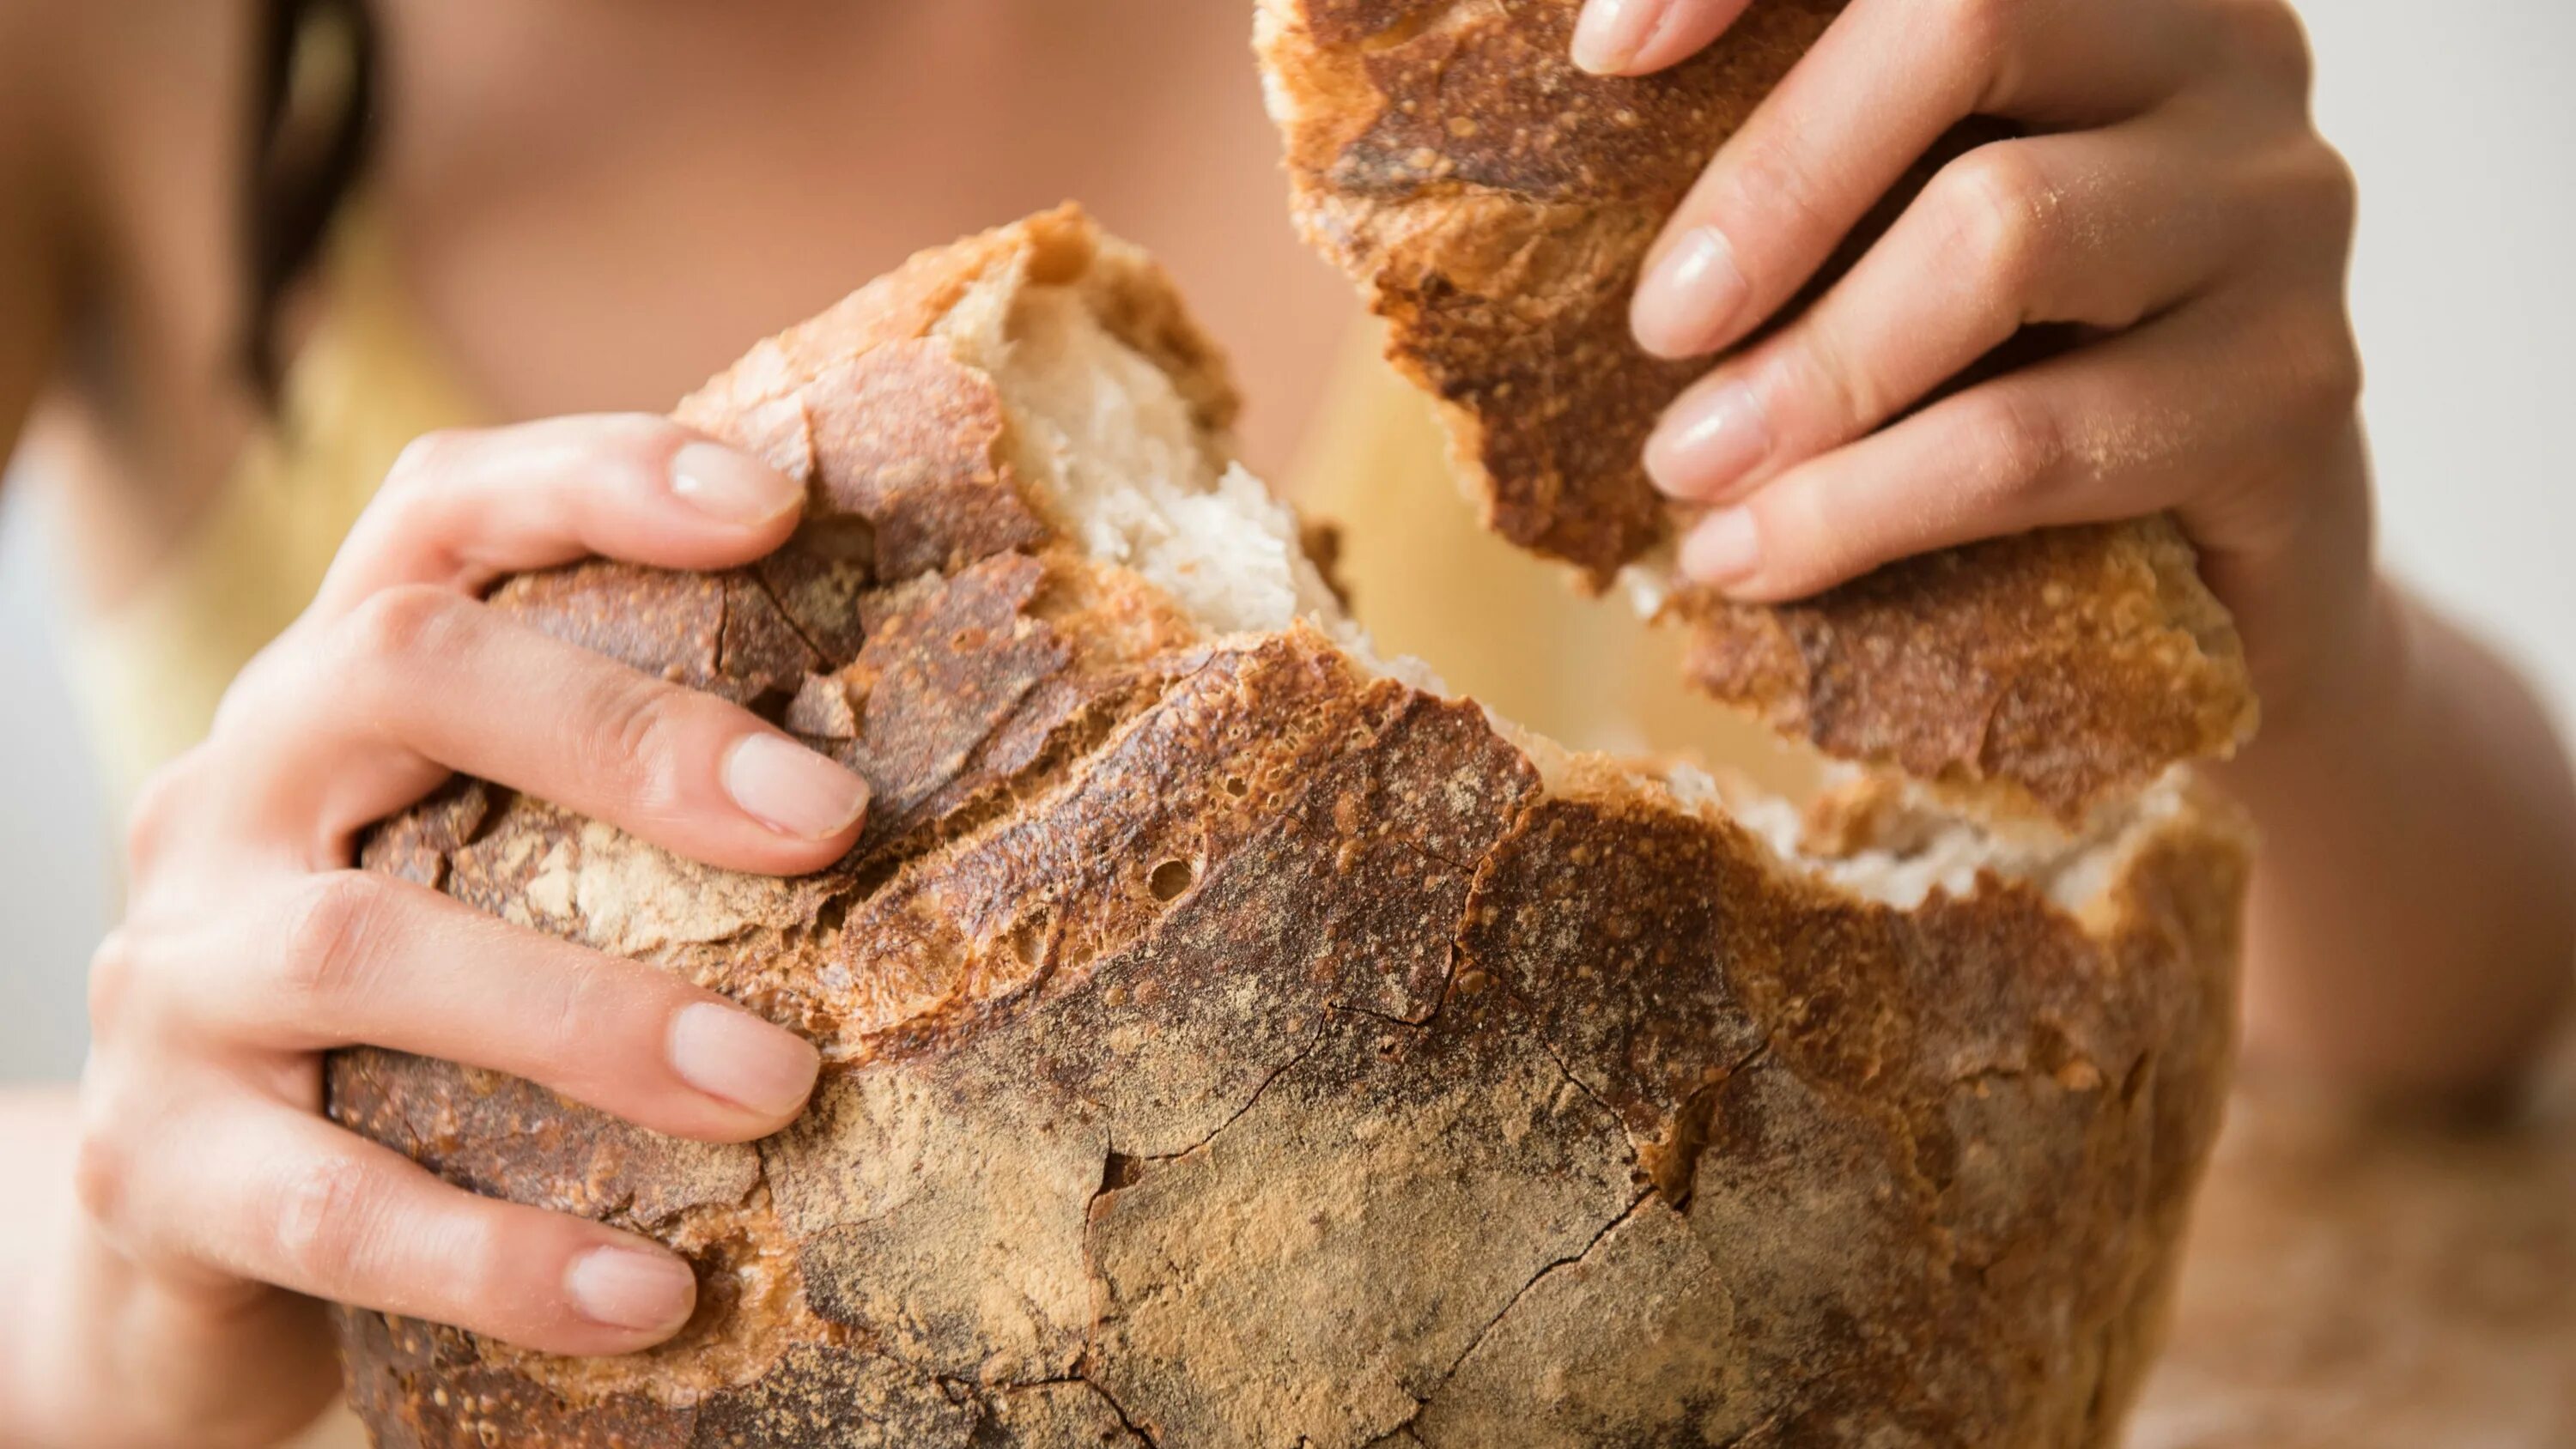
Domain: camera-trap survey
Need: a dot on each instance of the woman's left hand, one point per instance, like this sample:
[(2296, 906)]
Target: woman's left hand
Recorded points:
[(2168, 196)]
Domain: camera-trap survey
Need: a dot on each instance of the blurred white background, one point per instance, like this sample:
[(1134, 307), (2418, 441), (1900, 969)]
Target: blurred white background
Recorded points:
[(2461, 121)]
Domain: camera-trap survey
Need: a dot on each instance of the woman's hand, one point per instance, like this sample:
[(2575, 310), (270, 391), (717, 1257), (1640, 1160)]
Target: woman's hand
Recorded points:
[(2169, 197), (2170, 201), (220, 1202)]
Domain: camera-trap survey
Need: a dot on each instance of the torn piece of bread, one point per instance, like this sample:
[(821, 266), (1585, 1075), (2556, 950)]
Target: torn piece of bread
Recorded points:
[(1497, 203), (1232, 1042)]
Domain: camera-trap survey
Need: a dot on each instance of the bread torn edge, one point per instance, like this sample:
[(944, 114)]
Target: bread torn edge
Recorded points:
[(1472, 214), (1110, 446)]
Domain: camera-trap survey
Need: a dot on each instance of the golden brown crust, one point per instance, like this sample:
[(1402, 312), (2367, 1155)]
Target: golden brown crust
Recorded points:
[(1497, 204), (2062, 669), (1228, 1046), (1129, 293)]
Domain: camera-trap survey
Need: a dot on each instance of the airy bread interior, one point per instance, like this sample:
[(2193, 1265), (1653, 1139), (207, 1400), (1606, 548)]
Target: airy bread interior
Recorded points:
[(1106, 444)]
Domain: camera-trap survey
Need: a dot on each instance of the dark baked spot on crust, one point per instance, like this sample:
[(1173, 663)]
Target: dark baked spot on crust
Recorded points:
[(1624, 935), (2054, 663), (512, 1139), (1492, 103), (940, 674), (721, 634), (906, 437), (818, 1395)]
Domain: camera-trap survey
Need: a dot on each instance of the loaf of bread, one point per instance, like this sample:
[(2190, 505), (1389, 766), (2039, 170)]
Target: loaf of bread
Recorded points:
[(1497, 204), (1232, 1041)]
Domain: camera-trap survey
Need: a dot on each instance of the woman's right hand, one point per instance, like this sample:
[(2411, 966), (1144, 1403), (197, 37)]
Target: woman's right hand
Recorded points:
[(221, 1205)]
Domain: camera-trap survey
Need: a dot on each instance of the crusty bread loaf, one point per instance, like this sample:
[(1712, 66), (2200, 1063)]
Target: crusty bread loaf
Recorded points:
[(1497, 204), (1232, 1042)]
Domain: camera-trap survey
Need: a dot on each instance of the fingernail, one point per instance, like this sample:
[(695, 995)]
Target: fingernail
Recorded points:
[(1611, 32), (1688, 302), (732, 1054), (726, 485), (1724, 549), (1707, 442), (633, 1289), (793, 790)]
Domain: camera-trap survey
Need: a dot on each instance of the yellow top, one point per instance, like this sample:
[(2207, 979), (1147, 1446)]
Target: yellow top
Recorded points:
[(1495, 624), (149, 672)]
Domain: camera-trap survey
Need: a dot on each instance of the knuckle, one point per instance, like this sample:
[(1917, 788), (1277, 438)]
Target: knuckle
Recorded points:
[(324, 1215), (118, 1117), (1772, 179), (490, 1246), (569, 1003), (2271, 36), (333, 926), (411, 623), (2324, 368), (2327, 192), (1980, 27), (115, 968), (419, 466), (1829, 373), (2025, 444), (102, 1172), (1999, 207), (159, 805), (638, 746)]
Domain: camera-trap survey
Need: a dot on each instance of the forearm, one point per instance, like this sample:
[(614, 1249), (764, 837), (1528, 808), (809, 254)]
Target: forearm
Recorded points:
[(2413, 927)]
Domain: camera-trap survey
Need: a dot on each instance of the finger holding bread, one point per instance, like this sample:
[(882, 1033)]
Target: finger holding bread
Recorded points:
[(351, 957), (460, 509), (216, 1189), (2094, 436), (2101, 230), (1501, 206), (409, 685), (2122, 298), (238, 1190), (1878, 93)]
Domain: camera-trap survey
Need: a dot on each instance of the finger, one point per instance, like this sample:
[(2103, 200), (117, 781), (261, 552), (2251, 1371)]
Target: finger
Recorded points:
[(1888, 79), (345, 957), (461, 509), (239, 1187), (2197, 412), (1640, 37), (418, 681), (2102, 228)]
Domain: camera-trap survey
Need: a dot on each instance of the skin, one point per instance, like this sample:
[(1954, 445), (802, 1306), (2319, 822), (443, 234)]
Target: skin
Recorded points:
[(2173, 198), (2411, 927)]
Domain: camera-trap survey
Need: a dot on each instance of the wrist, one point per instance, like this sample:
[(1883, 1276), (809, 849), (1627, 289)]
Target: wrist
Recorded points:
[(2351, 705), (102, 1354), (45, 1381)]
